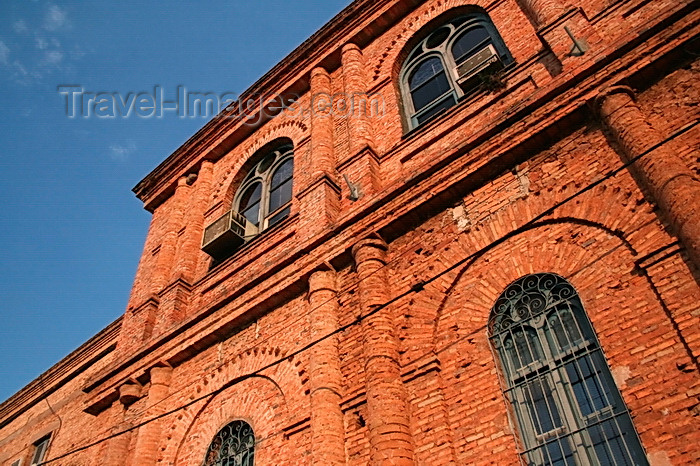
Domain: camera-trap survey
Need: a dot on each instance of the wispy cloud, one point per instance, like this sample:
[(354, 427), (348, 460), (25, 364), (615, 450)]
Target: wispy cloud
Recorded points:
[(41, 43), (33, 50), (20, 26), (55, 18), (52, 58), (121, 152)]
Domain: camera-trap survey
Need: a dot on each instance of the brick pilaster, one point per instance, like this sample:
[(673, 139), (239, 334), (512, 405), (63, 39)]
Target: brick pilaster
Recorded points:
[(661, 173), (148, 439), (319, 202), (542, 12), (168, 246), (189, 252), (387, 407), (327, 426), (118, 447), (322, 155), (359, 163), (355, 86)]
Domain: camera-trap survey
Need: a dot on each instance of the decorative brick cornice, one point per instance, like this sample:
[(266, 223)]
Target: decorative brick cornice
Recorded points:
[(290, 76)]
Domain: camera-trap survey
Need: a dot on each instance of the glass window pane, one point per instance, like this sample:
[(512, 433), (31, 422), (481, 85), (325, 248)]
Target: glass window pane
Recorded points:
[(469, 43), (278, 217), (563, 330), (587, 386), (609, 444), (554, 453), (430, 91), (445, 104), (283, 173), (541, 405), (280, 196), (427, 70), (250, 197), (523, 347), (249, 204)]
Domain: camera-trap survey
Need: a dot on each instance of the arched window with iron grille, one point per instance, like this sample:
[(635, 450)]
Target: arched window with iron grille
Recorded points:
[(234, 445), (556, 379)]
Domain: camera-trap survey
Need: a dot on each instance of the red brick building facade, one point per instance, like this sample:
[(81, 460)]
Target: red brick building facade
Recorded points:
[(486, 252)]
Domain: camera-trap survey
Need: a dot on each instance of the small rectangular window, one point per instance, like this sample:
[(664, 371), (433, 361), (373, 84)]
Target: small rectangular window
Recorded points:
[(40, 448)]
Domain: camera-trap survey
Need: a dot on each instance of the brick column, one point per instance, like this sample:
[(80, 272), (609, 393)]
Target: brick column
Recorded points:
[(149, 435), (387, 407), (355, 86), (206, 178), (320, 200), (322, 156), (661, 173), (168, 246), (190, 245), (327, 426), (360, 164), (118, 448), (542, 12)]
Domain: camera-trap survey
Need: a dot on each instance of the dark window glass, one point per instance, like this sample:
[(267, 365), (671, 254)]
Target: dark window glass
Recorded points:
[(540, 402), (279, 216), (428, 82), (249, 205), (437, 37), (444, 105), (469, 43), (281, 186)]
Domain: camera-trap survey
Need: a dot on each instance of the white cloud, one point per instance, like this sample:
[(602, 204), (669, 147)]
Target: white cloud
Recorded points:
[(41, 43), (52, 57), (55, 18), (20, 27), (4, 53), (121, 152)]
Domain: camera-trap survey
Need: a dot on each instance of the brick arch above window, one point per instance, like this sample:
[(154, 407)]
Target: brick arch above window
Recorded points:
[(292, 130), (409, 32)]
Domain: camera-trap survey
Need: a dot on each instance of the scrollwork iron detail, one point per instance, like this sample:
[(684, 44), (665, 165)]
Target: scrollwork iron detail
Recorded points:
[(234, 445), (528, 298)]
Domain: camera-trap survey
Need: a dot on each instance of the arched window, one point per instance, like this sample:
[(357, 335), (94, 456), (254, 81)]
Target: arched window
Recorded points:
[(567, 406), (234, 445), (446, 64), (264, 197)]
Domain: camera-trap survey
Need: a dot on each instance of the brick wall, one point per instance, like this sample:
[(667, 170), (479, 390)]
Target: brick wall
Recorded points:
[(452, 213)]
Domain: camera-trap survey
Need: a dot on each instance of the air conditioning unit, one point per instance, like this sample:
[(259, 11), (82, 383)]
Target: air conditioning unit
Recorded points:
[(485, 60), (226, 234)]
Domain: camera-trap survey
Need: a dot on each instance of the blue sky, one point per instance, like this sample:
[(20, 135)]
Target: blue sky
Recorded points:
[(71, 231)]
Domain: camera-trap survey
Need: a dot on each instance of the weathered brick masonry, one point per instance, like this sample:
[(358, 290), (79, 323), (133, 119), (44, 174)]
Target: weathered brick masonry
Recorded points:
[(355, 331)]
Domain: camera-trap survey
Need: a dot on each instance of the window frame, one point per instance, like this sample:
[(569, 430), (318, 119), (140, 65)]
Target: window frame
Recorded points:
[(282, 154), (444, 51), (577, 376), (41, 447)]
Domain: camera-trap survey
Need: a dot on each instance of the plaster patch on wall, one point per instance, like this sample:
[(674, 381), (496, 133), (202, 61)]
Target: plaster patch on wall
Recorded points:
[(459, 214), (659, 458), (523, 183), (621, 374)]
